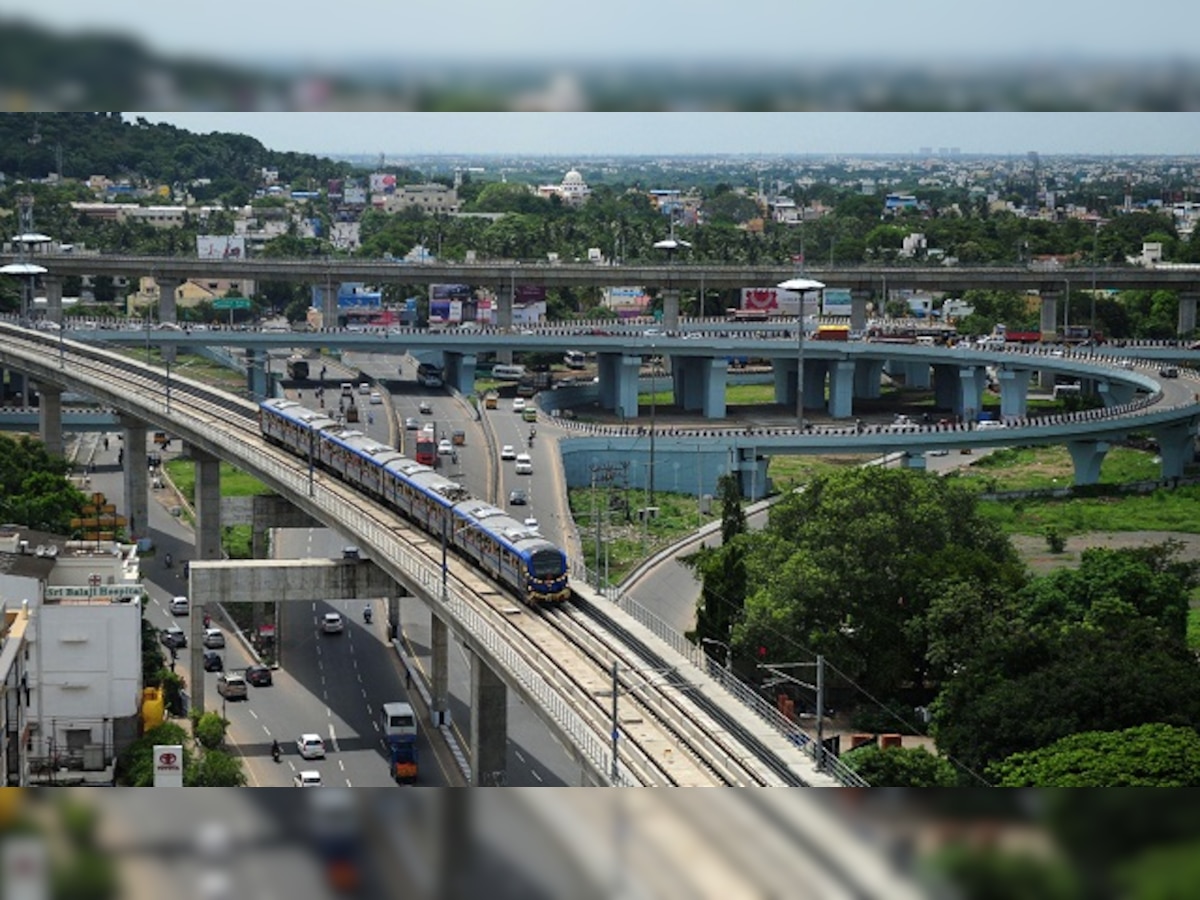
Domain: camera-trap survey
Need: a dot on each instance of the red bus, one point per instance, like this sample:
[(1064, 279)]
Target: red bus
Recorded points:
[(426, 449)]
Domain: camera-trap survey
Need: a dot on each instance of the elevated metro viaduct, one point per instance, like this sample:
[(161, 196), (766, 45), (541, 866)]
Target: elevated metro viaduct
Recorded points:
[(496, 666)]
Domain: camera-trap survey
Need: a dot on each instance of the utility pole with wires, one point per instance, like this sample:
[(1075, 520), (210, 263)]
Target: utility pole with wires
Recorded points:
[(602, 474)]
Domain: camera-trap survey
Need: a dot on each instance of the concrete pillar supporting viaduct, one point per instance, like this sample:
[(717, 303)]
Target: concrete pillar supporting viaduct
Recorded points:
[(1187, 312), (53, 285), (841, 388), (459, 371), (439, 661), (619, 377), (868, 378), (136, 469), (1175, 448), (1114, 393), (1014, 393), (858, 309), (50, 418), (208, 505), (504, 316), (1087, 456), (167, 311), (489, 725), (670, 318)]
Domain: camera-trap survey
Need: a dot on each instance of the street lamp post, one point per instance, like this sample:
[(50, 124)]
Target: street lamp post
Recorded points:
[(801, 285), (776, 670), (616, 691), (728, 651), (653, 420)]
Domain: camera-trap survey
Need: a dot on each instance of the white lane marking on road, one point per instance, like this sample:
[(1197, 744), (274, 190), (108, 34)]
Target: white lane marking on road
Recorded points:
[(536, 775), (517, 753), (252, 713)]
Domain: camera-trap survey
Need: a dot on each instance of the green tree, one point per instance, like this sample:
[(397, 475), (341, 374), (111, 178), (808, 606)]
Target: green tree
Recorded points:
[(900, 767), (209, 729), (34, 489), (1151, 755), (849, 567), (135, 766), (215, 768)]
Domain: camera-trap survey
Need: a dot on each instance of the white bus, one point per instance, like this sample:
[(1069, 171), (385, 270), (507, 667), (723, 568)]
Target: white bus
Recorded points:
[(398, 721), (507, 372)]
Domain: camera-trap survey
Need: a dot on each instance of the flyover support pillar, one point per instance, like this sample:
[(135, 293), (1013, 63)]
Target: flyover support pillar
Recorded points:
[(815, 371), (167, 311), (1087, 456), (971, 382), (256, 373), (670, 319), (1187, 312), (460, 371), (623, 395), (54, 294), (136, 469), (916, 375), (784, 371), (1175, 448), (208, 505), (1049, 317), (439, 660), (1014, 393), (841, 388), (327, 295), (1114, 393), (715, 373), (868, 378), (50, 418), (489, 725), (858, 310), (505, 297)]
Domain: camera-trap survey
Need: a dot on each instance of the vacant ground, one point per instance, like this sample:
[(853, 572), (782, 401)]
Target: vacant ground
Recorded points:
[(1034, 550)]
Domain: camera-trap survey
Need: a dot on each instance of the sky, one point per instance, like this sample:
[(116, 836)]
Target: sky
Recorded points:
[(541, 30), (397, 134)]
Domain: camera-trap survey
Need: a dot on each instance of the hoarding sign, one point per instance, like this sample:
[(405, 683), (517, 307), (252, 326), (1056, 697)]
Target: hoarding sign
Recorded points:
[(220, 246), (168, 765), (836, 302)]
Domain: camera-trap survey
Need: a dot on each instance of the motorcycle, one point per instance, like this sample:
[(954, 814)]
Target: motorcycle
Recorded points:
[(276, 753), (167, 560), (367, 615)]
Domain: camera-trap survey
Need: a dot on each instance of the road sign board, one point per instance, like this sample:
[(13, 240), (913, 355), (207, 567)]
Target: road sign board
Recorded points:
[(231, 303)]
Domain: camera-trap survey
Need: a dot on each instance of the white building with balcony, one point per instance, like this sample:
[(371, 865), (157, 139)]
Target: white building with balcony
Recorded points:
[(80, 689)]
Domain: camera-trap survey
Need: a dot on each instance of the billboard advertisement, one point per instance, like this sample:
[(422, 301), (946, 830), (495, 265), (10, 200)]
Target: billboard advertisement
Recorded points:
[(354, 295), (779, 302), (530, 293), (627, 302), (168, 765), (220, 246), (836, 302), (383, 183), (354, 195)]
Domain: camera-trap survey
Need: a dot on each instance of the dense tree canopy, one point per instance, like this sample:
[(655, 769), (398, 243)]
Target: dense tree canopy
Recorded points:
[(34, 489), (849, 567)]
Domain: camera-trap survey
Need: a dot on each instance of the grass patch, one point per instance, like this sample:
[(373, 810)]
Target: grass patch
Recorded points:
[(789, 472), (1162, 510), (1043, 468), (234, 482), (625, 541)]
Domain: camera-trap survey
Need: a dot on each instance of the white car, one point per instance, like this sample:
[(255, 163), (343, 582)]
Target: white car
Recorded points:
[(310, 746), (508, 451), (331, 623), (376, 398), (214, 638), (307, 778), (524, 464), (445, 448), (519, 404)]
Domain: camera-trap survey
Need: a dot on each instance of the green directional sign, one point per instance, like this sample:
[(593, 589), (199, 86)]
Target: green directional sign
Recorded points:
[(232, 303)]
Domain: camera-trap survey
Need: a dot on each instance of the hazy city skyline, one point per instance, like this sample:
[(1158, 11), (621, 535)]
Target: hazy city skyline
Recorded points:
[(397, 134)]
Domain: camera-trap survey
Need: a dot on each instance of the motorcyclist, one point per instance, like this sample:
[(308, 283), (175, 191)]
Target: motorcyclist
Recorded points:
[(276, 751), (367, 614), (167, 560)]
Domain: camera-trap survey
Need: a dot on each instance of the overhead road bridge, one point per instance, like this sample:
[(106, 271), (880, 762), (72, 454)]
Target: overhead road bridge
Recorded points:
[(651, 274), (685, 730)]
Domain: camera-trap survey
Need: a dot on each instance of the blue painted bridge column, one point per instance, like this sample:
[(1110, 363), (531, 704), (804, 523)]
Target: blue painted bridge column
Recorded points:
[(868, 378), (629, 369), (916, 375), (1114, 393), (1087, 456), (1014, 393), (460, 371), (256, 373), (1175, 447), (785, 381), (715, 372), (814, 383), (971, 380), (841, 388)]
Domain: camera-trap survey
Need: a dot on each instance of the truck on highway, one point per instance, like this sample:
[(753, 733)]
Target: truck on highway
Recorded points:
[(399, 726)]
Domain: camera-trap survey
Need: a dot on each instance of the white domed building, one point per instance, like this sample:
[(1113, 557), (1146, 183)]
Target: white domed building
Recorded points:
[(573, 189)]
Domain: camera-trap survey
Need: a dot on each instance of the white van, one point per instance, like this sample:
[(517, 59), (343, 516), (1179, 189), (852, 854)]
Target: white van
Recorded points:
[(524, 464)]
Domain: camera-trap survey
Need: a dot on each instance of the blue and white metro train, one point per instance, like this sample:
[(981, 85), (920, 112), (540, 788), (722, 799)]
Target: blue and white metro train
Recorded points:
[(508, 550)]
